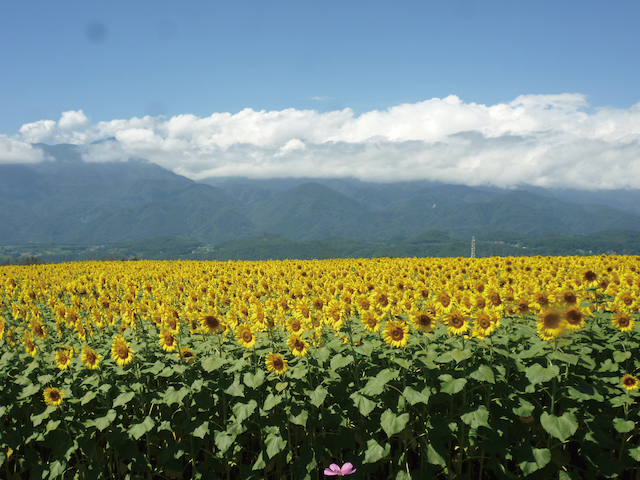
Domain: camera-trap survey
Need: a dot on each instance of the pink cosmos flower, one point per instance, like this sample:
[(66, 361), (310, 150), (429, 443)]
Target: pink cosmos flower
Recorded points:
[(333, 470)]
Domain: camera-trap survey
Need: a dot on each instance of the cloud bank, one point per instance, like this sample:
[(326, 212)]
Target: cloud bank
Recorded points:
[(544, 140)]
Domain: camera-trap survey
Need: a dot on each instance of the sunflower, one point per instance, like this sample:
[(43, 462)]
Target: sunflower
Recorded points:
[(63, 357), (120, 351), (575, 318), (167, 341), (568, 297), (53, 396), (484, 325), (296, 324), (550, 324), (186, 355), (370, 321), (623, 321), (443, 302), (396, 333), (275, 363), (89, 358), (423, 321), (246, 337), (30, 347), (211, 324), (630, 382), (1, 328), (297, 346), (456, 323)]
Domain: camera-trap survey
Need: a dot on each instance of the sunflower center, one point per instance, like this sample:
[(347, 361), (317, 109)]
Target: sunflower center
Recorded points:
[(570, 298), (397, 333), (573, 317), (552, 320), (457, 321), (247, 336), (122, 352)]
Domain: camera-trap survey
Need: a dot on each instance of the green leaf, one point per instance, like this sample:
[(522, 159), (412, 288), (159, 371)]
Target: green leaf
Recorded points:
[(123, 399), (539, 374), (139, 429), (271, 401), (52, 425), (223, 440), (392, 423), (56, 469), (363, 404), (375, 386), (210, 364), (477, 418), (559, 427), (338, 361), (202, 430), (172, 395), (434, 457), (633, 452), (243, 411), (404, 363), (103, 422), (316, 397), (536, 459), (90, 395), (451, 385), (41, 417), (275, 444), (375, 451), (460, 355), (299, 418), (618, 357), (414, 397), (155, 369), (484, 374), (623, 426), (254, 380), (402, 475), (259, 464), (29, 390), (236, 389), (525, 409)]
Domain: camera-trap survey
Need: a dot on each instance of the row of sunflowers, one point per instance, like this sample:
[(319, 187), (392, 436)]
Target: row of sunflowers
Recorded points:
[(384, 349)]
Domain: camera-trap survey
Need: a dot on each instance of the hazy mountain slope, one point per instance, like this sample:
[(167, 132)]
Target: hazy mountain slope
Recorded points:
[(311, 211)]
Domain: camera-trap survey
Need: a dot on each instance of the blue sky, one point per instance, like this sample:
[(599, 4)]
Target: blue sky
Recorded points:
[(109, 61)]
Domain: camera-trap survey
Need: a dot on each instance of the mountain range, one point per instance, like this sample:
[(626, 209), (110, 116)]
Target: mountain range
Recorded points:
[(65, 200)]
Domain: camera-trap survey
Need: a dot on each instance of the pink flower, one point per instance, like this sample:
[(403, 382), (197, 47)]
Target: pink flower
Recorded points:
[(333, 470)]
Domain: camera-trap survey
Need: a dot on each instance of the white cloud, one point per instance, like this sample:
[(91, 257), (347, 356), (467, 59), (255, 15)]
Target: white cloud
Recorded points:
[(545, 140), (16, 151)]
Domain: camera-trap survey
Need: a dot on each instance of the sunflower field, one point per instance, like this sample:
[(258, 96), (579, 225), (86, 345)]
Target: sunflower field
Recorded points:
[(459, 368)]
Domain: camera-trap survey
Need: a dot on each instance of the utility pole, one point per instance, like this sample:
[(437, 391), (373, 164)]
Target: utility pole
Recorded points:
[(473, 247)]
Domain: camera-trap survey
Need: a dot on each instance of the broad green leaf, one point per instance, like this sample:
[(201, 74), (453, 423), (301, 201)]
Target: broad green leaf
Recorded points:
[(434, 457), (484, 374), (254, 380), (392, 423), (41, 417), (196, 386), (525, 409), (124, 398), (403, 475), (338, 361), (451, 385), (103, 422), (236, 389), (404, 363), (414, 397), (559, 427), (375, 451), (56, 469), (299, 418), (202, 430), (259, 464), (317, 396), (210, 364), (569, 358), (623, 426), (280, 386), (539, 374), (274, 444), (298, 372), (375, 386), (155, 369), (139, 429), (44, 379), (537, 458), (460, 355), (243, 411), (633, 452), (271, 401), (29, 390), (363, 404), (172, 395), (90, 395), (223, 440), (618, 357), (477, 418), (52, 425)]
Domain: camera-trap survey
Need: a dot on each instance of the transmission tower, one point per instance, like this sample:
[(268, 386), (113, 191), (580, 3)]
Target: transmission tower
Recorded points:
[(473, 247)]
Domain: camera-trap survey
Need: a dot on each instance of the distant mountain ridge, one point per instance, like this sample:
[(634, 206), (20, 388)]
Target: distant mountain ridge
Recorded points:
[(68, 201)]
